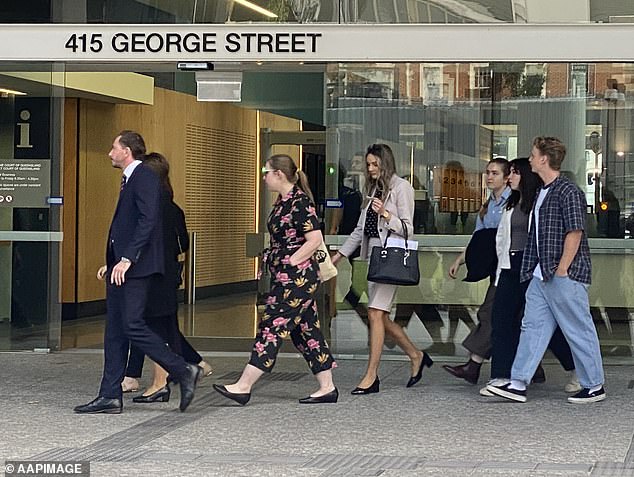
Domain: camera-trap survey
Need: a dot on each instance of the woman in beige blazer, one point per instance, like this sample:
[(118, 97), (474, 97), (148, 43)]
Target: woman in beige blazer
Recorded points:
[(389, 199)]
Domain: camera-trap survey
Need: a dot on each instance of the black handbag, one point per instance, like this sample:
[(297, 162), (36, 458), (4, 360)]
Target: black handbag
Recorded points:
[(394, 265)]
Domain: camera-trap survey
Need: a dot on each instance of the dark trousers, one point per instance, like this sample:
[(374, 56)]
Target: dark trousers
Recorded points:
[(167, 328), (478, 341), (506, 321), (125, 324)]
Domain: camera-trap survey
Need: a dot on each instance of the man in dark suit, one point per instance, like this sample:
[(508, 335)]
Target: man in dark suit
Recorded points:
[(134, 253)]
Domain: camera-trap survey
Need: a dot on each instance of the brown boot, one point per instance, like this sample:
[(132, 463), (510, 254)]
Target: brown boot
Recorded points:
[(470, 371)]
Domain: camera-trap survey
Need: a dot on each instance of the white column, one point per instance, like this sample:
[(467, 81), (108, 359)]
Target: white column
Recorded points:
[(562, 118)]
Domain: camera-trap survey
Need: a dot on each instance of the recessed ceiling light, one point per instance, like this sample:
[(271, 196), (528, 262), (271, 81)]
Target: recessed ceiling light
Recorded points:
[(256, 8)]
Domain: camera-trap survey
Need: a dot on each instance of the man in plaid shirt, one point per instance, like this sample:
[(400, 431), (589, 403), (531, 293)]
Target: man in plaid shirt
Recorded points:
[(557, 261)]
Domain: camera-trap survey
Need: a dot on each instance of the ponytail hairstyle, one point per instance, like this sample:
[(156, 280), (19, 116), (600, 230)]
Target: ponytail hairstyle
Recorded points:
[(506, 170), (284, 163), (387, 168), (529, 183)]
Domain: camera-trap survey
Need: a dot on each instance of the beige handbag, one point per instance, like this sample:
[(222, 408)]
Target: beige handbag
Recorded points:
[(326, 268)]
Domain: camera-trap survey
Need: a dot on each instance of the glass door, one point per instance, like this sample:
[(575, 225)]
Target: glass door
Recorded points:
[(30, 203)]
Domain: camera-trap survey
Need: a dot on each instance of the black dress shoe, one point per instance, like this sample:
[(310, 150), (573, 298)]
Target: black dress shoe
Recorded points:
[(427, 361), (374, 388), (188, 383), (332, 396), (162, 395), (240, 398), (101, 405)]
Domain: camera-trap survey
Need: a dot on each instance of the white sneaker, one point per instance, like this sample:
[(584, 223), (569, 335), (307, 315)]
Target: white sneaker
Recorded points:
[(508, 392), (485, 392), (495, 382), (585, 396), (573, 385)]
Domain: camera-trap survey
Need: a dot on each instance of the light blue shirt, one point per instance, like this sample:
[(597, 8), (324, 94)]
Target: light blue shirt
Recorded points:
[(493, 216)]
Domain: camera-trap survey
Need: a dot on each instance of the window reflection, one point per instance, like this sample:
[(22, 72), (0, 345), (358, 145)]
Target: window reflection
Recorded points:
[(446, 121), (322, 11)]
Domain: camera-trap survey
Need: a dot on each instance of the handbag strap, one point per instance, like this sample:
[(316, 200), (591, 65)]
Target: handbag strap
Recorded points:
[(405, 234)]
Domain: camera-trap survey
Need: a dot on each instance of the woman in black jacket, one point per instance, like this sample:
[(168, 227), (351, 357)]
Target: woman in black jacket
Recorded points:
[(162, 306)]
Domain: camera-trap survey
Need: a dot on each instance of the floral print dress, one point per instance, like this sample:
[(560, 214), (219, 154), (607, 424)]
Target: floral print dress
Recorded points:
[(291, 309)]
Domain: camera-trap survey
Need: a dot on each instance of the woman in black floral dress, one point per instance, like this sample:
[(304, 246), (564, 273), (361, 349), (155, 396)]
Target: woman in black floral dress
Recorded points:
[(291, 309)]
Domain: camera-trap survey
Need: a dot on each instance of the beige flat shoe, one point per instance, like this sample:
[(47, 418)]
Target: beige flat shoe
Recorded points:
[(129, 385), (206, 367)]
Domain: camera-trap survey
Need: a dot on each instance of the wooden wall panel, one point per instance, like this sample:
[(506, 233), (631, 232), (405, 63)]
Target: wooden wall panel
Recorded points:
[(221, 198), (281, 123), (69, 211), (227, 137), (97, 196)]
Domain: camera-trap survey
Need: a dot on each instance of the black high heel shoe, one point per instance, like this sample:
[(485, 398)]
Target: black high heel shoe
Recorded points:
[(330, 397), (374, 388), (240, 398), (427, 361), (162, 395)]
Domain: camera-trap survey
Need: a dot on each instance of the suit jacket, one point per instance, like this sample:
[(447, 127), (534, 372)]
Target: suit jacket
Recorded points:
[(399, 202), (136, 229), (480, 256), (162, 298)]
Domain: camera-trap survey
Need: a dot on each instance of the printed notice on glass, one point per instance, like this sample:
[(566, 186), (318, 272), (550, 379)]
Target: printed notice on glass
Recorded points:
[(24, 183)]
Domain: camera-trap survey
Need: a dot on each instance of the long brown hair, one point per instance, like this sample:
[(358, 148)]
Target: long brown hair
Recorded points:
[(529, 184), (285, 164), (158, 163), (387, 168)]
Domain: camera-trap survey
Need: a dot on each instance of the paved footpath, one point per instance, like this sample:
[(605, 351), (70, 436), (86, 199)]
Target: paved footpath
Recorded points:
[(440, 427)]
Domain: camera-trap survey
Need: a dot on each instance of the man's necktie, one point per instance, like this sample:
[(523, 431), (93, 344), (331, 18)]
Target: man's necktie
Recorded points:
[(123, 180)]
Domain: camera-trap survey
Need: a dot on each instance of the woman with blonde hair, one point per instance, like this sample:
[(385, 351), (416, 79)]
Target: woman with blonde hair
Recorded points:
[(291, 309), (390, 207)]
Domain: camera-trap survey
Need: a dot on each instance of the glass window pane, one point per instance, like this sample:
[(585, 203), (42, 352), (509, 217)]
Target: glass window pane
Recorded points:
[(30, 165), (444, 122)]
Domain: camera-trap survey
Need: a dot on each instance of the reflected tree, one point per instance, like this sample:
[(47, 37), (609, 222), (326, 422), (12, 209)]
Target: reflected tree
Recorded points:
[(304, 11)]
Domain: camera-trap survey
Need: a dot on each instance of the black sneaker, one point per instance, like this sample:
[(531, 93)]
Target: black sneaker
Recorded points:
[(585, 396), (507, 392)]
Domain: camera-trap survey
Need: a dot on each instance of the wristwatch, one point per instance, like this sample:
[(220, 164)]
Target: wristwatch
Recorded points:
[(385, 214), (126, 260)]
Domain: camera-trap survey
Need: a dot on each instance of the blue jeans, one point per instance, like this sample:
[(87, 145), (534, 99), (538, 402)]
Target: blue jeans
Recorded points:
[(564, 302)]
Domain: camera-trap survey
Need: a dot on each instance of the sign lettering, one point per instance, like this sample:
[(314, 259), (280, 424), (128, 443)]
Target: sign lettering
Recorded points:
[(206, 42)]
